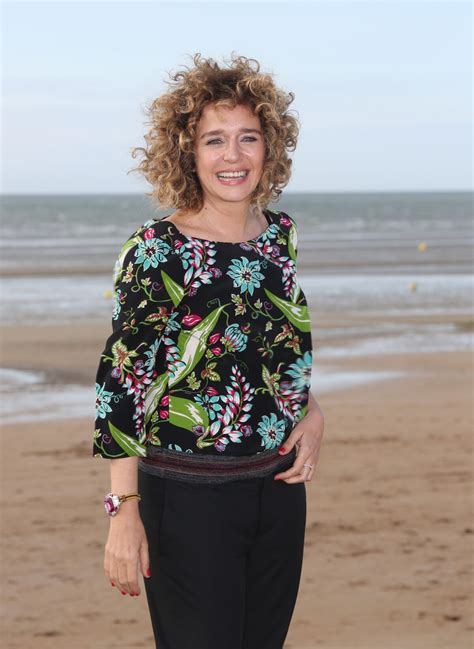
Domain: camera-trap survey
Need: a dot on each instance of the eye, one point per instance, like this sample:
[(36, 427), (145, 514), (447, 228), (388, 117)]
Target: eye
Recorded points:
[(247, 137)]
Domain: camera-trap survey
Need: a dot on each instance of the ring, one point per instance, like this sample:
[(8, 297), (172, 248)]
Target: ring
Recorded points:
[(310, 465)]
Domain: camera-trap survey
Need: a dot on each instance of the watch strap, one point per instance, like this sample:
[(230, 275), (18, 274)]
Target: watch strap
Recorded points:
[(128, 496)]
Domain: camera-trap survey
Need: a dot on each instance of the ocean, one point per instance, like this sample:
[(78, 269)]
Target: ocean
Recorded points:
[(383, 272)]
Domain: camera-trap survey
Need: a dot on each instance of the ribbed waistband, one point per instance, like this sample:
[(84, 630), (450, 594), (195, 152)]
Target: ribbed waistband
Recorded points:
[(190, 467)]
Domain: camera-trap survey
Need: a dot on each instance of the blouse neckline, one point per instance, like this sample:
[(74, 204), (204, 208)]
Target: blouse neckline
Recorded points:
[(266, 213)]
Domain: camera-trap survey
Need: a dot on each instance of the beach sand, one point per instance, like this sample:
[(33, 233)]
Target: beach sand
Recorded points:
[(389, 540)]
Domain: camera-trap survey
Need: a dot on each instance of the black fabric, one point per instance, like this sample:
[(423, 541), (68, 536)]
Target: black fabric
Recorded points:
[(225, 561), (211, 349)]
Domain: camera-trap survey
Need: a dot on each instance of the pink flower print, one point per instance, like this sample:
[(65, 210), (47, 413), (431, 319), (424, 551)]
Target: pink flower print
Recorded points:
[(178, 243), (214, 338), (246, 430), (219, 445), (191, 319), (137, 366), (149, 234)]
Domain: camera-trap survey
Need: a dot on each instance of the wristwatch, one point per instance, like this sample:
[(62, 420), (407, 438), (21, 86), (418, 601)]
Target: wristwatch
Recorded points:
[(112, 502)]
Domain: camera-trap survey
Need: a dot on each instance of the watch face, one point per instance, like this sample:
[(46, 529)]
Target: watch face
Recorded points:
[(110, 506)]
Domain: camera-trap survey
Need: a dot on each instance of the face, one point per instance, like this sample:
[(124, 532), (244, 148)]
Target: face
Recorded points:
[(238, 146)]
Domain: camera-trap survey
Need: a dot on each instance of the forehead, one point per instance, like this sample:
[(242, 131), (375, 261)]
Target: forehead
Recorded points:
[(221, 117)]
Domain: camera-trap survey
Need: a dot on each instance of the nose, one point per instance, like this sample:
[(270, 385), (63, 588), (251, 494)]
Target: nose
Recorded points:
[(232, 151)]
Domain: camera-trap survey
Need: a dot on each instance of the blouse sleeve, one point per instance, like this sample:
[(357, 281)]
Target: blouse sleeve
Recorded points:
[(293, 239), (292, 236), (145, 296)]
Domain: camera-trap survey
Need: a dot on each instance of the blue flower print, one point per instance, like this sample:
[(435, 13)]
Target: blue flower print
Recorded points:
[(301, 371), (102, 401), (245, 274), (211, 404), (272, 431), (235, 338), (270, 233), (117, 305), (151, 252), (151, 354), (214, 331)]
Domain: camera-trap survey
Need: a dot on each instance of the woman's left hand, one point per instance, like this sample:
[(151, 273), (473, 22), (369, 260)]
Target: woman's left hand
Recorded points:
[(307, 436)]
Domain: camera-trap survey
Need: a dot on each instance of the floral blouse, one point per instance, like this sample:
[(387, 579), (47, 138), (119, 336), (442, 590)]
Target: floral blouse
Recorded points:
[(210, 352)]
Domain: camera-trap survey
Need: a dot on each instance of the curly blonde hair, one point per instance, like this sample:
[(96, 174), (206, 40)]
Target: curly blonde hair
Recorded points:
[(168, 158)]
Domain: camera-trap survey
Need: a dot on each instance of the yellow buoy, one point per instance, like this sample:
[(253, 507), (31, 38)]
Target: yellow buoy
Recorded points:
[(108, 293), (413, 286), (422, 247)]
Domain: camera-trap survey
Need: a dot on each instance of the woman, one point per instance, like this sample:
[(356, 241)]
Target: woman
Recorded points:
[(203, 402)]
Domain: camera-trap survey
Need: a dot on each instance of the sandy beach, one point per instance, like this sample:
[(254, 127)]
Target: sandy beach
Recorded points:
[(389, 540)]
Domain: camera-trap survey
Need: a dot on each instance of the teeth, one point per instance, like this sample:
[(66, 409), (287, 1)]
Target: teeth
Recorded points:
[(232, 174)]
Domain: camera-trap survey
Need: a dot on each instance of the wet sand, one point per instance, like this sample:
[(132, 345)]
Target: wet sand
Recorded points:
[(389, 537)]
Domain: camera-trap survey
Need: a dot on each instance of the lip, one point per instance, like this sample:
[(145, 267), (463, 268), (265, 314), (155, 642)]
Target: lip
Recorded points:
[(232, 182), (231, 171)]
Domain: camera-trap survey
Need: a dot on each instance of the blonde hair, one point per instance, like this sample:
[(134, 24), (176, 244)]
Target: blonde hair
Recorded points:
[(168, 157)]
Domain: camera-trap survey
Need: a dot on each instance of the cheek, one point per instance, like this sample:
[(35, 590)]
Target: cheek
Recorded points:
[(207, 160), (258, 156)]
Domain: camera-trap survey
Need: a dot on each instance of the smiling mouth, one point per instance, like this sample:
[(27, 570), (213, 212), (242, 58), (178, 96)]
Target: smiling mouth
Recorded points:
[(232, 178)]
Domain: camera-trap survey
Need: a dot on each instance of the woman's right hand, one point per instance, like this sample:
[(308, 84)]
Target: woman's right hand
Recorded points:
[(126, 548)]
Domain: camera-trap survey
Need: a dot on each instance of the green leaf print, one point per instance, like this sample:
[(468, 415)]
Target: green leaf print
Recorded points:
[(129, 444), (192, 344), (297, 314), (292, 239), (175, 291), (123, 253), (266, 377), (153, 395), (186, 413), (295, 291)]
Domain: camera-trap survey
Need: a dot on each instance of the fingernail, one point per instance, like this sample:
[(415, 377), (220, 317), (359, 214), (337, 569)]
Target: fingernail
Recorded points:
[(112, 583), (123, 592), (148, 573), (282, 449)]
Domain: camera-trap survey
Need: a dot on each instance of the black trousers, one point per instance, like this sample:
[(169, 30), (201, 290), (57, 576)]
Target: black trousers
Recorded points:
[(225, 560)]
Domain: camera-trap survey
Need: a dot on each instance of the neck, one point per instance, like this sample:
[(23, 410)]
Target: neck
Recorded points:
[(231, 220)]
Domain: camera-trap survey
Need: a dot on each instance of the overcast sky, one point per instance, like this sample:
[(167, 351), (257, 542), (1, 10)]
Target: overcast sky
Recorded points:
[(383, 89)]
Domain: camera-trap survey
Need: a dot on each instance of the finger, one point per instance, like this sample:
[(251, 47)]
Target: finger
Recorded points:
[(109, 569), (299, 473), (122, 576), (292, 441), (132, 577), (145, 559), (295, 469), (106, 568), (304, 476), (289, 473)]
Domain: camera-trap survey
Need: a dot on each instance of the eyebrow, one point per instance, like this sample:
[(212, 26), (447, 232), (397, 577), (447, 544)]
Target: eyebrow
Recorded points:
[(219, 131)]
